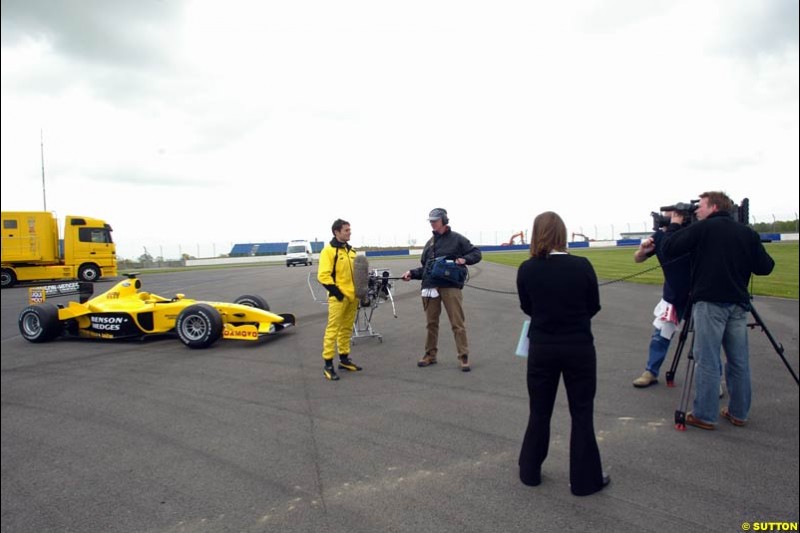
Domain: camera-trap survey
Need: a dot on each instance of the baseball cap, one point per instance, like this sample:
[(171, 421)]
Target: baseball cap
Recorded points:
[(436, 214)]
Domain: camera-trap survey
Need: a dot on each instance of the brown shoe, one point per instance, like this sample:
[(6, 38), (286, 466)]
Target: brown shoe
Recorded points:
[(696, 422), (463, 361), (733, 420), (428, 360)]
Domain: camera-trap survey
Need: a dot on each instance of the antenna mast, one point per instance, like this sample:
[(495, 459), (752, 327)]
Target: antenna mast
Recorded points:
[(44, 194)]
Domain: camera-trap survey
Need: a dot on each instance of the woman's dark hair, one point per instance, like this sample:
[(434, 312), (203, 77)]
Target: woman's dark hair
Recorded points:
[(549, 235)]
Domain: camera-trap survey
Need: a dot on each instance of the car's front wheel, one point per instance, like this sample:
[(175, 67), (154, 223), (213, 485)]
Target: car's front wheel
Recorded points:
[(39, 323), (199, 326)]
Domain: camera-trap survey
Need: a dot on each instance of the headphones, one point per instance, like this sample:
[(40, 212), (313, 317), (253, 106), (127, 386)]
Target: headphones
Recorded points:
[(439, 213)]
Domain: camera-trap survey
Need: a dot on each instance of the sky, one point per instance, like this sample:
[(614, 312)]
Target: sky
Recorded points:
[(192, 125)]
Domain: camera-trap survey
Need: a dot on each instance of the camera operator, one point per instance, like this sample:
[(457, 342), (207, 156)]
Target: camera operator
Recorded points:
[(674, 300), (724, 253)]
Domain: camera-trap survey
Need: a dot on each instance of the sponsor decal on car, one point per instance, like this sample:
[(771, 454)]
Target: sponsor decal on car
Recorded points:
[(93, 335), (36, 295), (108, 323), (242, 333), (116, 325)]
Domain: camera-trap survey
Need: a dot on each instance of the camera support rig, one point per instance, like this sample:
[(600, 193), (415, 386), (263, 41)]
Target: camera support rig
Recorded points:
[(380, 289), (688, 327)]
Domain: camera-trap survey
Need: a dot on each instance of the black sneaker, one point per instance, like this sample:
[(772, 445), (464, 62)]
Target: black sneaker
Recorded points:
[(345, 363), (330, 373)]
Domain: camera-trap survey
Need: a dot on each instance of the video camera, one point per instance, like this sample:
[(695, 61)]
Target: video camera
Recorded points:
[(379, 288), (686, 209), (740, 213)]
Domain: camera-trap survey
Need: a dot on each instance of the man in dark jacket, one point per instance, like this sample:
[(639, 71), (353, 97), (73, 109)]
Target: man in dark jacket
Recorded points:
[(723, 254), (674, 298), (437, 290)]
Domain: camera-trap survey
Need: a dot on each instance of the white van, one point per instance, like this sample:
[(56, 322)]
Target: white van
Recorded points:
[(298, 253)]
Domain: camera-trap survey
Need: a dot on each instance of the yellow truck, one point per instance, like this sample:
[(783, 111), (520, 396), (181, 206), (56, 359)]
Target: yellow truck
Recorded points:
[(32, 249)]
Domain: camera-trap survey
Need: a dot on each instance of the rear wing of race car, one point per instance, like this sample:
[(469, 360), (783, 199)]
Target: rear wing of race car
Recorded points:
[(38, 295)]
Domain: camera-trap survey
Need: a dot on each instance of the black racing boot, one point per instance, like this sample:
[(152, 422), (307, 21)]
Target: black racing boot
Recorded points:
[(330, 373), (345, 363)]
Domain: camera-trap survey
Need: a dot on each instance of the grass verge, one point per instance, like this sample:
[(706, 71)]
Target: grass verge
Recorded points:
[(616, 263)]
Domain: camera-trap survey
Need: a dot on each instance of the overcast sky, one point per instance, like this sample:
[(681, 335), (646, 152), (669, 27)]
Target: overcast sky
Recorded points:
[(197, 124)]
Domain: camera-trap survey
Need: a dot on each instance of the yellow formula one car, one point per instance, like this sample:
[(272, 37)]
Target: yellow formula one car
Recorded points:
[(124, 312)]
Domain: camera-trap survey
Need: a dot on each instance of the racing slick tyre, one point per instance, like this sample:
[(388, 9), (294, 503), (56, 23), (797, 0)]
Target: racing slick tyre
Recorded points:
[(199, 326), (39, 323), (7, 278), (252, 300), (89, 272)]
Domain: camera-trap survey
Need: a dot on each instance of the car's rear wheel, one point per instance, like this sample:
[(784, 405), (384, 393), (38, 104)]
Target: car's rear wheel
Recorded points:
[(39, 323), (199, 326), (252, 300)]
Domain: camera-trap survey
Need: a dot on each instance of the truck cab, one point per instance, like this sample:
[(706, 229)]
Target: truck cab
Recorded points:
[(88, 244), (298, 253)]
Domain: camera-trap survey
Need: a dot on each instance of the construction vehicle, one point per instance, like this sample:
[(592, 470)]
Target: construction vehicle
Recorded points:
[(520, 235), (32, 249), (585, 238)]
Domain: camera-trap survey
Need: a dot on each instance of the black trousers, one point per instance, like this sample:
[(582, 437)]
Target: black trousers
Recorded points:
[(578, 365)]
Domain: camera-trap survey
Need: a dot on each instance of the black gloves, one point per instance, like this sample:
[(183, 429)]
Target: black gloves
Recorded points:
[(334, 291)]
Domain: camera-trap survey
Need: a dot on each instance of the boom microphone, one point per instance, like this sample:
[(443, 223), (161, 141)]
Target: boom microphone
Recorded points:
[(361, 276)]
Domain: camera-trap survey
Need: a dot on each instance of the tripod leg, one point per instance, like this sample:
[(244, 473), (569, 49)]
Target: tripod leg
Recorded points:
[(688, 326), (358, 324), (680, 413), (778, 347), (362, 327)]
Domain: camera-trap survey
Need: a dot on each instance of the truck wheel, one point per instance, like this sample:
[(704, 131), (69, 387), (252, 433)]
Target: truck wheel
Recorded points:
[(199, 326), (252, 300), (89, 272), (7, 278), (39, 323)]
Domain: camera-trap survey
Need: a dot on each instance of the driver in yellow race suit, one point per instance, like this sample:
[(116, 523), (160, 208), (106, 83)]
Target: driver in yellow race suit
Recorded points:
[(336, 275)]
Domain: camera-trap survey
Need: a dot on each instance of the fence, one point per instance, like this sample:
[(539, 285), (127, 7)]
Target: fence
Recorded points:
[(164, 252)]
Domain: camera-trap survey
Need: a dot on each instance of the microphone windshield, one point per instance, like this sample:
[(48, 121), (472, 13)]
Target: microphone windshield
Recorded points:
[(361, 276)]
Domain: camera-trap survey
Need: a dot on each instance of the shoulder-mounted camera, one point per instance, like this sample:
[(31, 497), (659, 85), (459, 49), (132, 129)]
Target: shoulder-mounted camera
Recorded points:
[(687, 210), (740, 213)]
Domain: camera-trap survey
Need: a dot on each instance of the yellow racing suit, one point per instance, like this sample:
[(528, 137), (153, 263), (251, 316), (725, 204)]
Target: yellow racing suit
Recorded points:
[(336, 275)]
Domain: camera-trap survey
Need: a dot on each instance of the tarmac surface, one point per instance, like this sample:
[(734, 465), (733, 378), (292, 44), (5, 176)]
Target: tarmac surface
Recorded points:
[(154, 437)]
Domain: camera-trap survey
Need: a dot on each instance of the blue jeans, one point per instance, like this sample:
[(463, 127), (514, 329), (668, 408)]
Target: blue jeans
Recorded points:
[(715, 326), (659, 346)]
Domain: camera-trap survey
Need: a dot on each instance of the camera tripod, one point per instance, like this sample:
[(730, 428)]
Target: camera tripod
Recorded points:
[(688, 327)]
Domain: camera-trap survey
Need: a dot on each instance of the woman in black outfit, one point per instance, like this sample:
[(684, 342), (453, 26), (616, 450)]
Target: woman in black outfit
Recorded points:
[(560, 294)]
